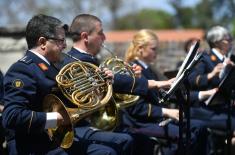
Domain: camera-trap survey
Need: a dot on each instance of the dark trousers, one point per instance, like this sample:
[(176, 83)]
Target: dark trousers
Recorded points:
[(120, 142)]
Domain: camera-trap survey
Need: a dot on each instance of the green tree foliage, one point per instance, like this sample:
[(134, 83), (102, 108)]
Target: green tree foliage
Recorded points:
[(198, 16), (146, 18), (186, 16), (204, 14)]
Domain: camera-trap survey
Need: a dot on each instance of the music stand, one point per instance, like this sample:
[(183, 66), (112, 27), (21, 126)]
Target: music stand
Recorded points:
[(224, 94), (175, 88), (171, 73), (224, 89)]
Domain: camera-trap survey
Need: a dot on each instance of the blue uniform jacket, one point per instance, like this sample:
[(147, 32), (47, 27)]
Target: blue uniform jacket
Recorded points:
[(147, 108), (122, 83), (1, 87), (26, 83), (198, 77)]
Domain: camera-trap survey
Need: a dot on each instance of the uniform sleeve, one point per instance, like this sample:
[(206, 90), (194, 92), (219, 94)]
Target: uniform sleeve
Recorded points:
[(1, 87), (126, 84), (145, 111), (194, 97), (20, 104), (198, 77)]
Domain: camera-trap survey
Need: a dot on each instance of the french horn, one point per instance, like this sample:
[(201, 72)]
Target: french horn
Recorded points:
[(117, 65), (85, 92)]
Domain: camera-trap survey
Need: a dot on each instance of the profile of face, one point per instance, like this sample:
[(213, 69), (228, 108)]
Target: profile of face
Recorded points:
[(148, 53), (56, 45), (225, 45), (96, 39)]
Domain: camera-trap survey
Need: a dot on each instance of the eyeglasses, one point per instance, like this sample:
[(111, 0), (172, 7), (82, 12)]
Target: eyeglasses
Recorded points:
[(61, 41), (226, 41)]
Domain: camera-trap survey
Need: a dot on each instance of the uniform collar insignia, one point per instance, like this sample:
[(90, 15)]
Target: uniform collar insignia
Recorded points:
[(213, 58), (17, 83), (43, 66)]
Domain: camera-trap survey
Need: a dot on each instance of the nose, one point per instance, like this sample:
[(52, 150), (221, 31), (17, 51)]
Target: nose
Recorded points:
[(64, 44)]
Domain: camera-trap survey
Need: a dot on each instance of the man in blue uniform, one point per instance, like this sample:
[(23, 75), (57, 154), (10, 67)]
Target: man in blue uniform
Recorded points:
[(1, 86), (26, 84), (2, 135), (88, 37)]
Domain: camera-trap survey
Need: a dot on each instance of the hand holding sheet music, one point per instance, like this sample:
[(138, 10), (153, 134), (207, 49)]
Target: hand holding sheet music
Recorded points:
[(190, 61), (227, 84)]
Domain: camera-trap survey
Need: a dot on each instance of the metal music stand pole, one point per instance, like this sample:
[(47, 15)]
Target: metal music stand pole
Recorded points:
[(187, 114), (229, 124), (229, 96), (180, 99), (181, 102), (229, 129)]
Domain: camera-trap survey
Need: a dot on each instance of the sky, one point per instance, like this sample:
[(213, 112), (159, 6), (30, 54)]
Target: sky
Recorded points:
[(163, 4), (128, 6), (152, 4)]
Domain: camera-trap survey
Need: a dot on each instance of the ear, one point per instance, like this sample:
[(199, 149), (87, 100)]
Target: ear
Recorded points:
[(84, 36), (42, 42), (140, 50)]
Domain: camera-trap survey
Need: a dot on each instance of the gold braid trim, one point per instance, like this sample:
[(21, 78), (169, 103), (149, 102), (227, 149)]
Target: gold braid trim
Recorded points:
[(149, 110), (30, 122), (133, 84), (197, 79)]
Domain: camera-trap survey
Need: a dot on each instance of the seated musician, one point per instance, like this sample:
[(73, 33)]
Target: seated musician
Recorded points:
[(26, 84), (88, 37), (2, 132), (207, 75), (147, 112)]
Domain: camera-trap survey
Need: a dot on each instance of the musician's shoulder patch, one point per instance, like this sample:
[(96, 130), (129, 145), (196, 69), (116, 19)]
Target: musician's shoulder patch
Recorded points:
[(17, 83), (213, 58), (43, 66)]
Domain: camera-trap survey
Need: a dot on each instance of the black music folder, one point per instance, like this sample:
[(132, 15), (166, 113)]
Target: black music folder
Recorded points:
[(171, 73), (226, 86)]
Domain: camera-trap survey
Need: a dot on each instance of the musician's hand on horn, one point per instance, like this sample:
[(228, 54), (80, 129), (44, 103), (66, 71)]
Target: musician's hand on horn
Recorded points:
[(137, 70), (108, 74), (62, 121)]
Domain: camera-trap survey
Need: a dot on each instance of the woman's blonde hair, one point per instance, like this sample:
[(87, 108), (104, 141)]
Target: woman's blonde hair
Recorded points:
[(140, 40)]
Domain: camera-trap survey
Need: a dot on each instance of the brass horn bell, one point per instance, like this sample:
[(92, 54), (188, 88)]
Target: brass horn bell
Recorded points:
[(86, 92)]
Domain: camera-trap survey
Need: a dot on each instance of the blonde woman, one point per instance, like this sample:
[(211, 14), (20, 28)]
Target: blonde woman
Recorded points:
[(148, 113)]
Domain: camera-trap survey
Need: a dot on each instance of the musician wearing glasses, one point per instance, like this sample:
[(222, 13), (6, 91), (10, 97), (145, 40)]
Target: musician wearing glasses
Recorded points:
[(26, 83), (2, 135), (208, 75)]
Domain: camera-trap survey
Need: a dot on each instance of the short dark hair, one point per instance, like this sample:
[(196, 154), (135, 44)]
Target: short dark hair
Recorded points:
[(82, 23), (41, 26), (188, 43)]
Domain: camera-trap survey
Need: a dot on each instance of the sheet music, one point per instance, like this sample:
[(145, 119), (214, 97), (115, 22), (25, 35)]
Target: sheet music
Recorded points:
[(191, 54), (182, 76), (226, 84)]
